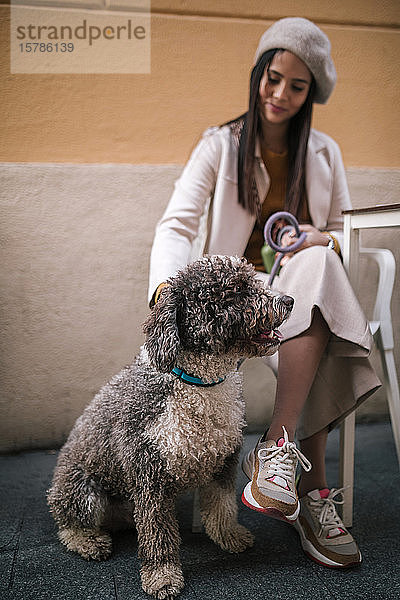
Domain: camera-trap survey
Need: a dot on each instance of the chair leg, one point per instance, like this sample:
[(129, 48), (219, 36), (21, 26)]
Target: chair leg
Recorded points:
[(347, 432), (346, 469), (197, 523), (392, 391)]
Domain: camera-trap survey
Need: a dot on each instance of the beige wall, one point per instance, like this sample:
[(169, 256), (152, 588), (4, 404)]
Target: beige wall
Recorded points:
[(88, 164)]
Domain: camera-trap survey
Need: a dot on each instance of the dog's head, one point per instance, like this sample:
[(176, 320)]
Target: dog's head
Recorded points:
[(217, 306)]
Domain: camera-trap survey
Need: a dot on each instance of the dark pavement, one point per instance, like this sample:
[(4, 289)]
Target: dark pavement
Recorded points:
[(34, 565)]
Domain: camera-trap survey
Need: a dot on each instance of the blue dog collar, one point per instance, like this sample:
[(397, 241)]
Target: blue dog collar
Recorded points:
[(193, 380)]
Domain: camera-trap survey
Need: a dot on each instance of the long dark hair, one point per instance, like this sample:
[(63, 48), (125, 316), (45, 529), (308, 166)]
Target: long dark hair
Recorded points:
[(298, 133)]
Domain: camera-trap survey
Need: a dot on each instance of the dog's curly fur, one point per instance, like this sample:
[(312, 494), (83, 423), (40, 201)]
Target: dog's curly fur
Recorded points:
[(147, 435)]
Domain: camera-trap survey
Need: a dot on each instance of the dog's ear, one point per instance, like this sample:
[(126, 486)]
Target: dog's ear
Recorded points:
[(161, 329)]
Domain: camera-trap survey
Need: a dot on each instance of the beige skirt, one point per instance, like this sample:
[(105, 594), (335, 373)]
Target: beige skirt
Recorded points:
[(315, 277)]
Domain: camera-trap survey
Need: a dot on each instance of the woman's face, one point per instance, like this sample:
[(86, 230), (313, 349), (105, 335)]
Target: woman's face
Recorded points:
[(283, 88)]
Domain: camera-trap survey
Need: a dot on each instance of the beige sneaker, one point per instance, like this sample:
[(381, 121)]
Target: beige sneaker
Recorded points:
[(271, 466), (323, 536)]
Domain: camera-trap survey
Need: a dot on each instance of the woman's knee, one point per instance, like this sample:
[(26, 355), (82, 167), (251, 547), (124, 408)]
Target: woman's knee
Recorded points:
[(319, 258)]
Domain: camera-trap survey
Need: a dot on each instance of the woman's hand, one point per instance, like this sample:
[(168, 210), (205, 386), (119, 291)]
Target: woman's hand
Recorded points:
[(314, 238)]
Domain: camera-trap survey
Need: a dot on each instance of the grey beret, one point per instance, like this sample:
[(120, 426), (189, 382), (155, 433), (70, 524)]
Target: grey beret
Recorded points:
[(304, 39)]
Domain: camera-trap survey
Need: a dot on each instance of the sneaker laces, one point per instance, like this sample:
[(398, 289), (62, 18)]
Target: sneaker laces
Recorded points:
[(325, 510), (282, 459)]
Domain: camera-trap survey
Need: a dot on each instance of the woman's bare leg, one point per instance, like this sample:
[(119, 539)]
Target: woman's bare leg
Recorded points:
[(314, 449), (299, 358)]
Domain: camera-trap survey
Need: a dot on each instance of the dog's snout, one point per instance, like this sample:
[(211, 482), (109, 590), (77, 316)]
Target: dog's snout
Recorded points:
[(288, 301)]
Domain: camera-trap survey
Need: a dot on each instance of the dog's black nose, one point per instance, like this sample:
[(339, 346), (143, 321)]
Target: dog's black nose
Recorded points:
[(287, 301)]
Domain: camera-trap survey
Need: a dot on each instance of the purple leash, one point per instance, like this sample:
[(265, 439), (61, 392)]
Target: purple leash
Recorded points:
[(282, 250)]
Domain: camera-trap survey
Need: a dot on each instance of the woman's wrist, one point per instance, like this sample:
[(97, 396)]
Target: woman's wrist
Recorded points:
[(332, 242)]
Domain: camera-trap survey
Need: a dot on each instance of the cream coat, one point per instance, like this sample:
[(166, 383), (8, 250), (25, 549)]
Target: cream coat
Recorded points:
[(204, 216)]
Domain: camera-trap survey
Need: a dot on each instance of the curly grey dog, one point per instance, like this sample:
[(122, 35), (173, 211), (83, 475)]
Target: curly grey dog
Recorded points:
[(172, 420)]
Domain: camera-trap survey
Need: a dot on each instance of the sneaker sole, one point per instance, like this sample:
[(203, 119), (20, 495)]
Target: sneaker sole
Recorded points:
[(249, 501), (317, 556)]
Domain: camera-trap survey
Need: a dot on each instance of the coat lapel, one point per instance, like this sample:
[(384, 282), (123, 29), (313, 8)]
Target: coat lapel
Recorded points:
[(319, 181)]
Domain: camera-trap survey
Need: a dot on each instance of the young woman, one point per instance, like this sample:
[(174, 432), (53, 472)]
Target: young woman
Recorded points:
[(268, 160)]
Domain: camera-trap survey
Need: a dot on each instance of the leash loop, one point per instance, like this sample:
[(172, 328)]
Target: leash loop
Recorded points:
[(282, 250)]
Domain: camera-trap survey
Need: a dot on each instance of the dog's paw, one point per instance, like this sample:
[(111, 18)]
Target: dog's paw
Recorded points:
[(236, 539), (92, 545), (164, 582)]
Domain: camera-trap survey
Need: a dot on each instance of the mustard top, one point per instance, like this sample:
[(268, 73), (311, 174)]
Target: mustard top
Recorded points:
[(277, 167)]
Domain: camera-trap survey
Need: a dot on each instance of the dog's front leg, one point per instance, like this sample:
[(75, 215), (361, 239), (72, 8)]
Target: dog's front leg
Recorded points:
[(159, 541), (218, 507)]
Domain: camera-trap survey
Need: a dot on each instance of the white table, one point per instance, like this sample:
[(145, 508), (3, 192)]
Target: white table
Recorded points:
[(385, 215)]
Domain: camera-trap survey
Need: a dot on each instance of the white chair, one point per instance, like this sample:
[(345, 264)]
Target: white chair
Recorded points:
[(382, 330)]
